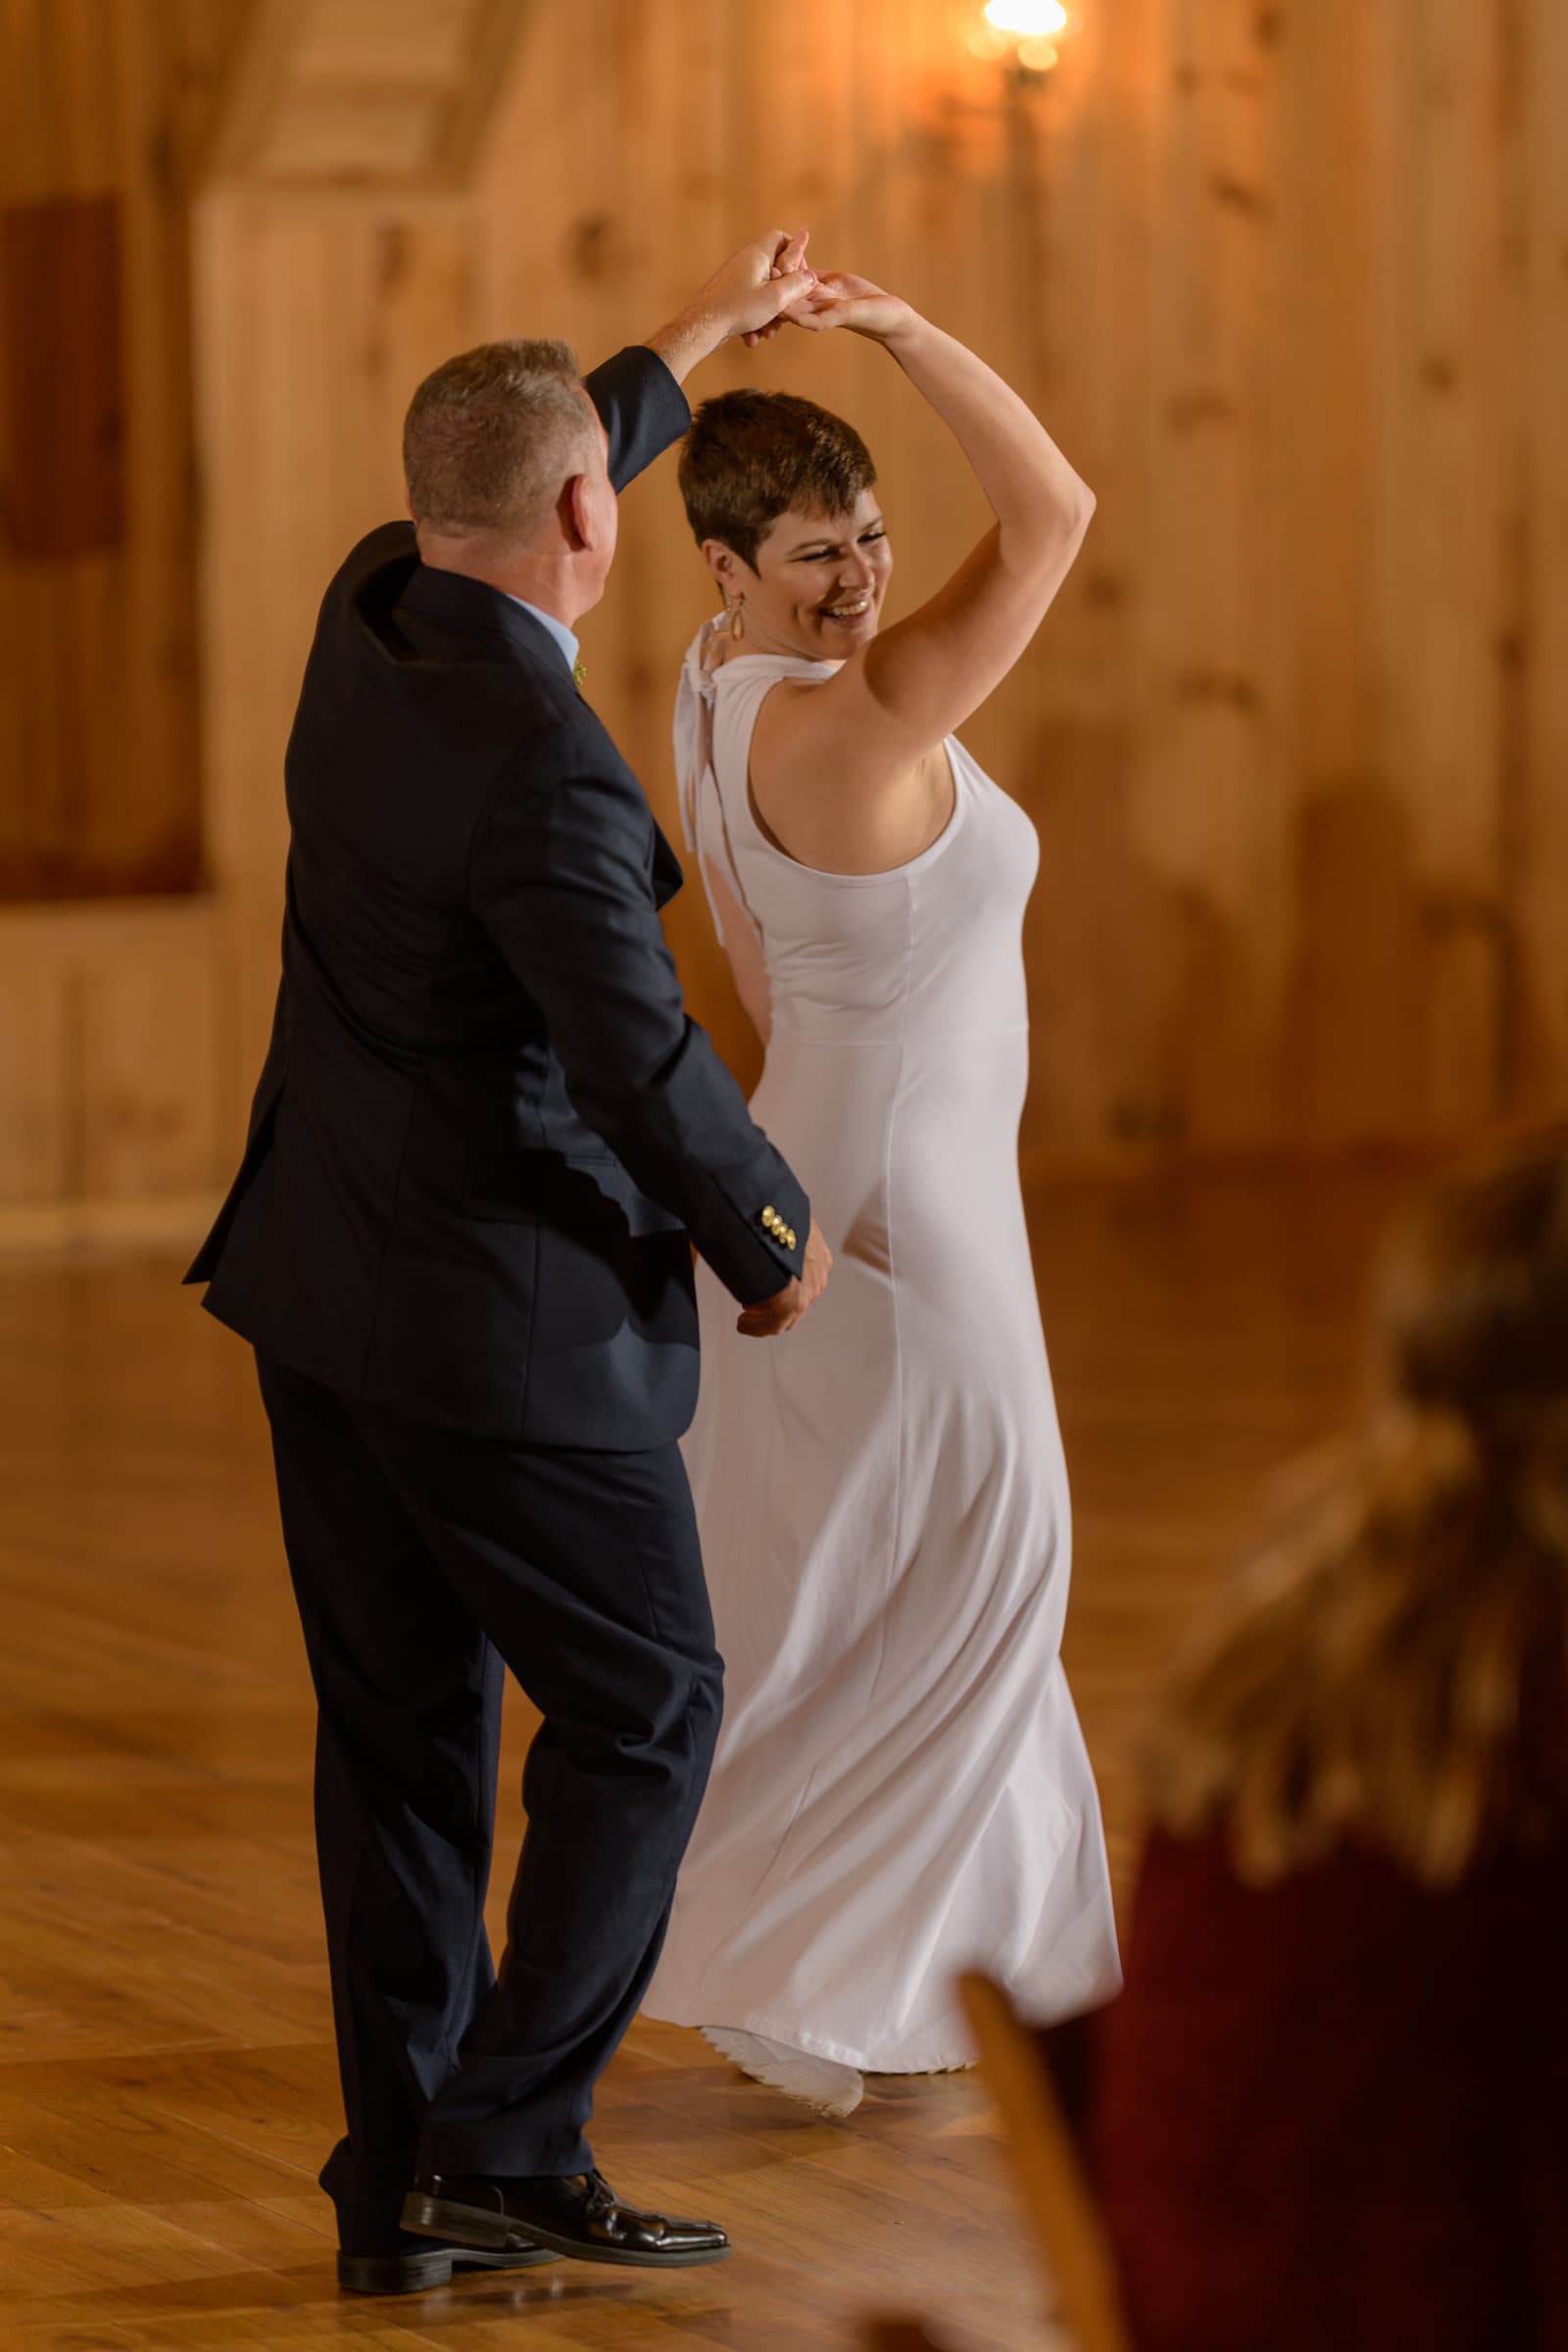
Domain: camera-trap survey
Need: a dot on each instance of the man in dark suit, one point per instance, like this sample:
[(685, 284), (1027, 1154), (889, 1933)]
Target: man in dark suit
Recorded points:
[(458, 1243)]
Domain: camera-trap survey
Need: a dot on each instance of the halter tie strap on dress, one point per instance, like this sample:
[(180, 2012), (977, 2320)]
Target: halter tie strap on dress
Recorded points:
[(743, 686)]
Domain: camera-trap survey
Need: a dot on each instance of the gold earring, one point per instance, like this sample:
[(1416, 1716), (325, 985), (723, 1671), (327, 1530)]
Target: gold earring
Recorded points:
[(735, 615)]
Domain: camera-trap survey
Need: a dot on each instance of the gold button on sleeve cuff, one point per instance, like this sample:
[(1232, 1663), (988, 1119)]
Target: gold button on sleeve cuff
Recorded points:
[(782, 1233)]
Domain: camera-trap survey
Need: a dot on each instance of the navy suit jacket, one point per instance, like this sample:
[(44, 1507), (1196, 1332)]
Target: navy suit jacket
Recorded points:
[(486, 1127)]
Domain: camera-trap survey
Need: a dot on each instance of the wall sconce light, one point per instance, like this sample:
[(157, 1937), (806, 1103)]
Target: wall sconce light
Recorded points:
[(1025, 35)]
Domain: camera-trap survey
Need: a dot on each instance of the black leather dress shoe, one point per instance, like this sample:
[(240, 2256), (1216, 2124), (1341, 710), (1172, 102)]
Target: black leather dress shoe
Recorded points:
[(580, 2215), (425, 2265)]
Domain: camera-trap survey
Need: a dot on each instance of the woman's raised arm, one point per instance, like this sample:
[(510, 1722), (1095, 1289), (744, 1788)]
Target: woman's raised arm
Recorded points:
[(916, 681)]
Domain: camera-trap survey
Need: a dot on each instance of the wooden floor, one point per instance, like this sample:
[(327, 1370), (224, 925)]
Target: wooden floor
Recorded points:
[(167, 2086)]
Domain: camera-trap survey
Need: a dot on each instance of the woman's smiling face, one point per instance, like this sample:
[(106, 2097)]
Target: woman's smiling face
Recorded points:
[(817, 585)]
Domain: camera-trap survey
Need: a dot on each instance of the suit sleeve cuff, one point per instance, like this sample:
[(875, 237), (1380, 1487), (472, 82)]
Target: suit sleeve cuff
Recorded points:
[(641, 405), (781, 1224), (673, 408)]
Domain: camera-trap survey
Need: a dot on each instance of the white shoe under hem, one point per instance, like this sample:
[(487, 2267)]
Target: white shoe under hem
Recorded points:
[(821, 2083)]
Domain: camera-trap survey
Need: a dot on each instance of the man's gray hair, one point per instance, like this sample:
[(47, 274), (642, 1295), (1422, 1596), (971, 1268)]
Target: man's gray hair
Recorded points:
[(491, 435)]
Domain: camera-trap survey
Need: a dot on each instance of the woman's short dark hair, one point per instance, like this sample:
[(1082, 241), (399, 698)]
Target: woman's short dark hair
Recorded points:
[(751, 456)]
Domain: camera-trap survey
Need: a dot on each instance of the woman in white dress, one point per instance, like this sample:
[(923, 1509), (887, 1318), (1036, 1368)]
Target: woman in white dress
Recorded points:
[(902, 1790)]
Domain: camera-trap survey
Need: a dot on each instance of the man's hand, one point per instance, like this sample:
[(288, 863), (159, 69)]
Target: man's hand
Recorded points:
[(751, 295), (783, 1311)]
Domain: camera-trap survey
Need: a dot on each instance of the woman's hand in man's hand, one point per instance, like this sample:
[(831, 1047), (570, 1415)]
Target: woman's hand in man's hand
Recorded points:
[(748, 295), (839, 300), (771, 1316), (755, 288), (791, 260)]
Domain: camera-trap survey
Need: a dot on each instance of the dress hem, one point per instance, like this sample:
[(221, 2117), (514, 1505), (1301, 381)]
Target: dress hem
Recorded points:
[(949, 2060)]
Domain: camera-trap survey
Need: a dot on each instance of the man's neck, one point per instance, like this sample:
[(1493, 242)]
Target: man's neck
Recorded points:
[(549, 587)]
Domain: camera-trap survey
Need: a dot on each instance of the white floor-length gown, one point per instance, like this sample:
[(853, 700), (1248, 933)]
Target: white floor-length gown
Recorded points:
[(902, 1790)]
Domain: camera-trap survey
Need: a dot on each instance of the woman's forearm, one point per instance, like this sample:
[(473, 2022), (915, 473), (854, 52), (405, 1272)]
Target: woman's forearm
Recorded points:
[(1034, 493)]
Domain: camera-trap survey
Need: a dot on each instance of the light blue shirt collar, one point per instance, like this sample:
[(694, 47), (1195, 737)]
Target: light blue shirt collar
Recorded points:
[(558, 630)]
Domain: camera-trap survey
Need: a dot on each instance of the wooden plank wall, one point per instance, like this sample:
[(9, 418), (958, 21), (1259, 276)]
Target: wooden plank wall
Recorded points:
[(128, 1016), (115, 1035), (346, 91), (318, 313), (113, 999), (1288, 278), (102, 107)]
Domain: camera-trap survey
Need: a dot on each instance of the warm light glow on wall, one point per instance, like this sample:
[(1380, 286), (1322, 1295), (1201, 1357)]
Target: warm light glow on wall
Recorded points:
[(1030, 19), (1024, 32)]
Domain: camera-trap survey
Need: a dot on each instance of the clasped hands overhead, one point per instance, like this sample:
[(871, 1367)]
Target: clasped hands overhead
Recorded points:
[(768, 284)]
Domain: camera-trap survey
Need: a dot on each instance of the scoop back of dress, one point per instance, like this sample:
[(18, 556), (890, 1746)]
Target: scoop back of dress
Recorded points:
[(902, 1790)]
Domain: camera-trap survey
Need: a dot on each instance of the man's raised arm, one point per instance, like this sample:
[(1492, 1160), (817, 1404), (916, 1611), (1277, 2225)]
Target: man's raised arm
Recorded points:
[(638, 394)]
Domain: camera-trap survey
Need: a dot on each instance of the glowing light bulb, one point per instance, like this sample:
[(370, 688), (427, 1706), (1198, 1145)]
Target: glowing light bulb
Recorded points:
[(1027, 19)]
